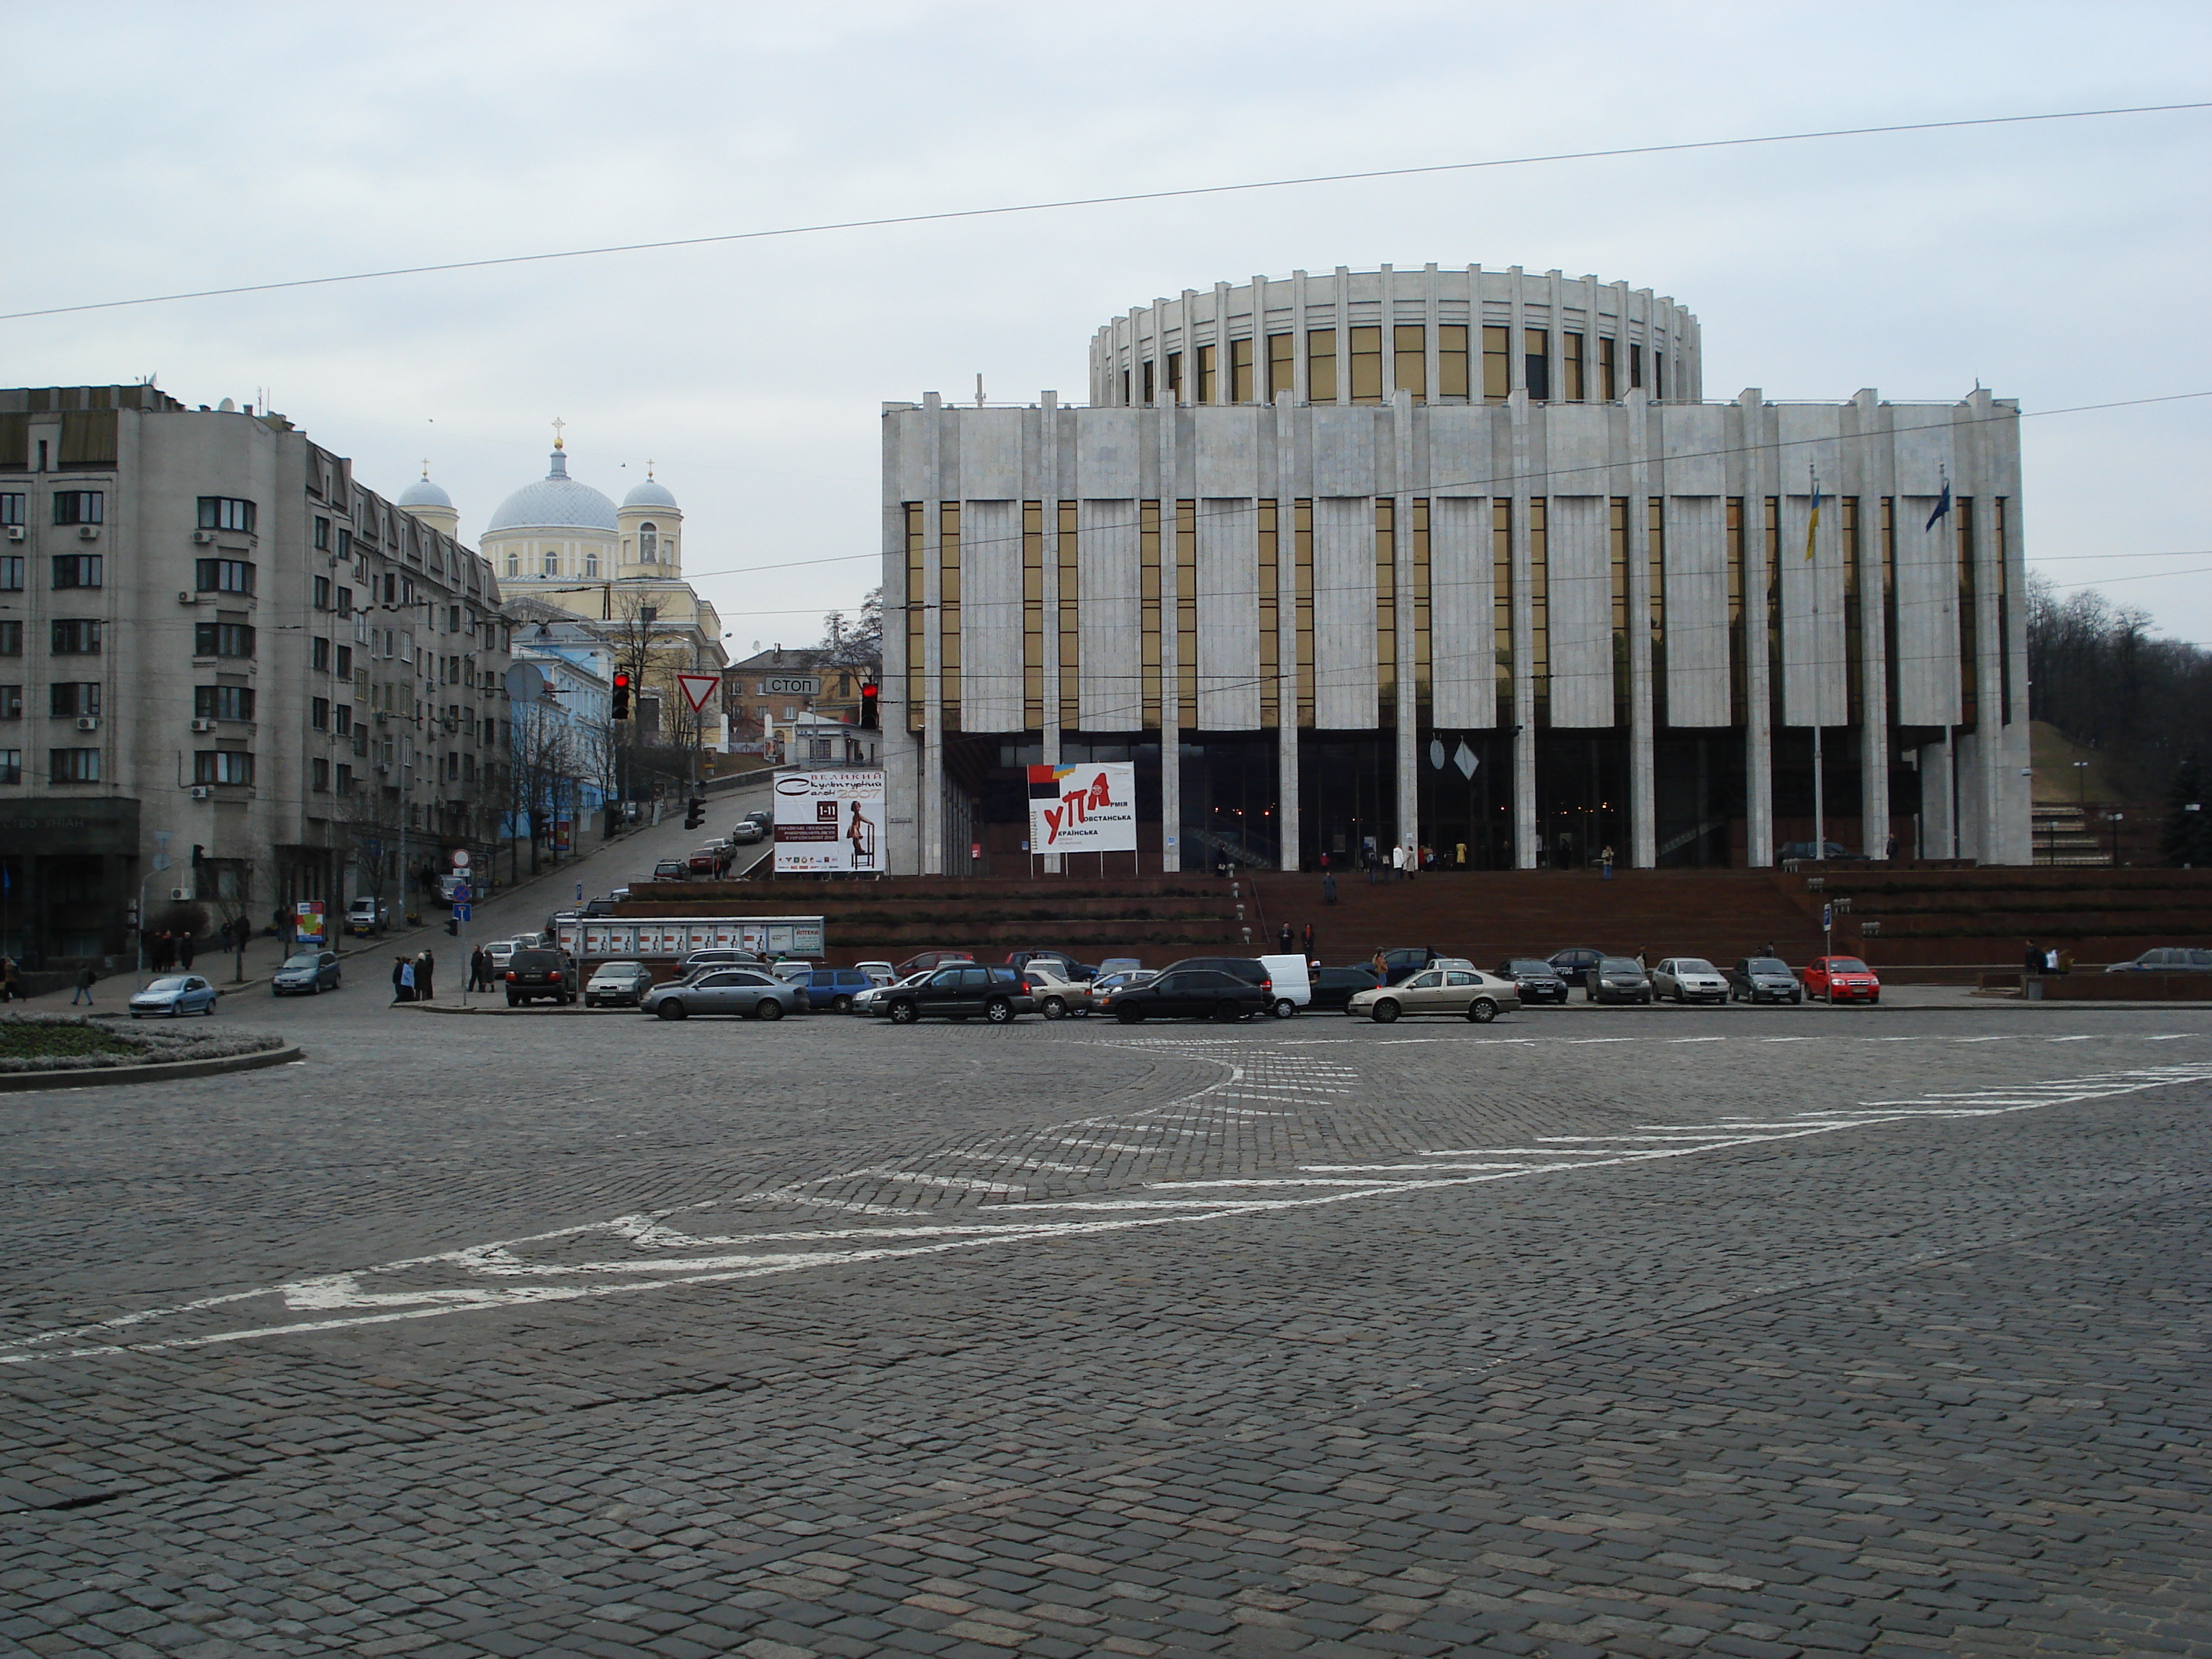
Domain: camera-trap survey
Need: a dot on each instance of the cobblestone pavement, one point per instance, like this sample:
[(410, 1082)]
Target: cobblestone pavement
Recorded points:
[(1730, 1332)]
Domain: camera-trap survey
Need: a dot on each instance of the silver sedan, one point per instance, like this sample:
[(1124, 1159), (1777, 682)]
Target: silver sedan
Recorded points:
[(743, 991), (1467, 992), (1689, 978)]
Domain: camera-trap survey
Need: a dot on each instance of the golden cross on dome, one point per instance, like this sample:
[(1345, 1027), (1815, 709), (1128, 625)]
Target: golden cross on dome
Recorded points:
[(557, 424), (649, 469), (426, 466)]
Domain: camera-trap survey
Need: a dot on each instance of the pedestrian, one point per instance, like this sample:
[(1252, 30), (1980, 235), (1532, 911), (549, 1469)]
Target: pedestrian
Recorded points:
[(477, 978), (1305, 942), (1605, 862), (10, 990), (1377, 965), (426, 967), (1889, 847), (1283, 939), (402, 979), (1324, 862), (224, 933), (159, 955), (185, 948), (2032, 964), (85, 979), (1643, 966), (1768, 950), (1328, 887)]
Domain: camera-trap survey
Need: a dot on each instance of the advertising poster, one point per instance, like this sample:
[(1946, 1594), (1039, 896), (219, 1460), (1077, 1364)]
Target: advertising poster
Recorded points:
[(307, 923), (1088, 808), (830, 823)]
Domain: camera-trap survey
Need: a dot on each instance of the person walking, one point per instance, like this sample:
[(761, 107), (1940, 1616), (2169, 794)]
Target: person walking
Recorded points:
[(403, 979), (426, 967), (479, 977), (185, 948), (1305, 942), (1604, 864), (1283, 939), (1377, 965), (223, 933), (2031, 963), (10, 989), (85, 980)]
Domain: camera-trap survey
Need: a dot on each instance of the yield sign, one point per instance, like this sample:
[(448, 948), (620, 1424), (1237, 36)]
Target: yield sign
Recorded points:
[(698, 687)]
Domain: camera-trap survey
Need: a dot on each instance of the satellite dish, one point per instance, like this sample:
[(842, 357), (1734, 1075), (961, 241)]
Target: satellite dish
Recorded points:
[(524, 683)]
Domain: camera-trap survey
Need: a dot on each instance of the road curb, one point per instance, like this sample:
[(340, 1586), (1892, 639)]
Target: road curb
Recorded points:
[(97, 1077), (448, 1008)]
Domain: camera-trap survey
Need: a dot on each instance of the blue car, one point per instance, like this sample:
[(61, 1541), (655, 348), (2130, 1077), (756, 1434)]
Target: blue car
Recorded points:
[(175, 995), (306, 974)]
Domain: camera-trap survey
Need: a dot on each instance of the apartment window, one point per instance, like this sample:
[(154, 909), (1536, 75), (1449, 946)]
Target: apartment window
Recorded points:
[(1409, 348), (222, 702), (11, 766), (220, 640), (74, 699), (1240, 371), (648, 541), (344, 721), (222, 766), (1608, 376), (73, 765), (1536, 363), (345, 543), (318, 714), (226, 513), (11, 638), (345, 781), (223, 575), (11, 507), (1209, 380), (322, 534), (1452, 361), (790, 713), (11, 574), (1497, 364), (1282, 373), (345, 662), (1367, 365), (77, 570), (1174, 377), (76, 636), (11, 702), (322, 593), (79, 507), (345, 601), (318, 651), (319, 775)]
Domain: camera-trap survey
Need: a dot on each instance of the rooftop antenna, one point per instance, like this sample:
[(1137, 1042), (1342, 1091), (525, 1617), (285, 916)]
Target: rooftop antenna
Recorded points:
[(979, 391)]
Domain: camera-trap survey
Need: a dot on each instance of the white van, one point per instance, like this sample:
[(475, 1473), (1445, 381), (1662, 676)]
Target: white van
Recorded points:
[(1293, 990)]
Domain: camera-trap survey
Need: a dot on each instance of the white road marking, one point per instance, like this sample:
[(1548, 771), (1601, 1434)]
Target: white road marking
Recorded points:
[(920, 1179)]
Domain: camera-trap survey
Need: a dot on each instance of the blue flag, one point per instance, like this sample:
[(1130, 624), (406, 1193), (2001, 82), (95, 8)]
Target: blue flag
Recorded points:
[(1942, 507)]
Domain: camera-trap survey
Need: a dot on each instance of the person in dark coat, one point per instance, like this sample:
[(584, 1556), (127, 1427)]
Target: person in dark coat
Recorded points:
[(1328, 887), (184, 949), (426, 966), (2031, 963), (1283, 939), (479, 970)]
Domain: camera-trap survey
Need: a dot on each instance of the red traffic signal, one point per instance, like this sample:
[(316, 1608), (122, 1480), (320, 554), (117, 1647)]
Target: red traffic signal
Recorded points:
[(871, 706), (622, 694)]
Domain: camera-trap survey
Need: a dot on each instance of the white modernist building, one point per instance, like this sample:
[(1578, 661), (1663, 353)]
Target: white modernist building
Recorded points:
[(1456, 560)]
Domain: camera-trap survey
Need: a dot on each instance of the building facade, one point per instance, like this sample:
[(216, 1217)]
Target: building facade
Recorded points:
[(1459, 560), (210, 632)]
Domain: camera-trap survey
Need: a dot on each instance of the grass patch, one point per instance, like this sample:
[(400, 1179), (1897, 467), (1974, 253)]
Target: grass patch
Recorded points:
[(21, 1040)]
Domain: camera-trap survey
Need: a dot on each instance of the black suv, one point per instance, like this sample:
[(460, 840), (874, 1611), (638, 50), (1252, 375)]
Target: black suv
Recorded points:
[(1249, 968), (1537, 979), (999, 994), (537, 971)]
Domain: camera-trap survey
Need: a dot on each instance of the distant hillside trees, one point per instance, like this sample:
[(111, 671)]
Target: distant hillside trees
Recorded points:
[(2097, 673)]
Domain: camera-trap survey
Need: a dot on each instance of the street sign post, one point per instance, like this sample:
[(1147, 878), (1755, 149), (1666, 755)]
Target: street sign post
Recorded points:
[(699, 690), (461, 912)]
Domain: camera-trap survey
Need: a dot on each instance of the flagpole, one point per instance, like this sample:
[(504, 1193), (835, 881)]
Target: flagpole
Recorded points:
[(1820, 771)]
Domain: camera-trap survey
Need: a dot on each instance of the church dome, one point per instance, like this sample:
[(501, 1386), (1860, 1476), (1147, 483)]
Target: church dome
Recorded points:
[(650, 494), (555, 502), (423, 493)]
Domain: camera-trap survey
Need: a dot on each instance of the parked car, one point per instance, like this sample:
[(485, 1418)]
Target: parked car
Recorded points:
[(1120, 982), (306, 974), (367, 915), (871, 1000), (915, 963), (958, 991), (719, 955), (1573, 964), (1057, 995), (1059, 961), (794, 968), (1291, 978), (1334, 987), (617, 985), (1190, 993), (538, 973), (703, 861), (2166, 959), (671, 869), (879, 973), (1404, 962), (1465, 992), (1842, 979), (1244, 968), (760, 815), (834, 989), (500, 949), (748, 833), (1689, 978), (1764, 979), (600, 906), (1825, 851), (747, 992), (1617, 979), (1119, 965), (176, 995), (1538, 981)]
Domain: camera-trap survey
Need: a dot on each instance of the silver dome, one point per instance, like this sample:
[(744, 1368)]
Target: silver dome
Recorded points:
[(555, 502), (423, 493), (650, 494)]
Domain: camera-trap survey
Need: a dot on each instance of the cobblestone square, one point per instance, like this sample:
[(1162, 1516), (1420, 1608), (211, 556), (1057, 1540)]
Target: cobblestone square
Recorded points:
[(1729, 1331)]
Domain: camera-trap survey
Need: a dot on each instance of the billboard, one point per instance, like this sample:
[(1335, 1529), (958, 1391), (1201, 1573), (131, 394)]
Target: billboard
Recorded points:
[(601, 938), (1089, 808), (830, 822)]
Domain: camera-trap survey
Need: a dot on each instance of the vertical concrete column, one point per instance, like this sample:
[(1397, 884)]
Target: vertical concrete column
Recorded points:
[(1291, 830), (1517, 321), (1299, 389), (1758, 481), (1524, 629), (1342, 292), (1991, 777), (1402, 563), (1642, 807), (933, 646), (1170, 640), (1049, 489), (1873, 636)]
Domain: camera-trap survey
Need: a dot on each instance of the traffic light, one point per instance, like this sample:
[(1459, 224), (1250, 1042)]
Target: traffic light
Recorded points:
[(199, 853), (697, 814), (871, 706), (622, 694)]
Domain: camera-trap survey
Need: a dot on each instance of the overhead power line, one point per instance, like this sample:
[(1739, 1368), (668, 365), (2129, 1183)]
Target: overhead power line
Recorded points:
[(1121, 198)]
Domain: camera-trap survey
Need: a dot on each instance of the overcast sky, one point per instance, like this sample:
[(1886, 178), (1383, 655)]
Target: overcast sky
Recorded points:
[(168, 146)]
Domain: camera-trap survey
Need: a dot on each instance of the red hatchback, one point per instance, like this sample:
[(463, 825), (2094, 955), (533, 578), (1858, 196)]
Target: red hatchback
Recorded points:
[(1842, 979)]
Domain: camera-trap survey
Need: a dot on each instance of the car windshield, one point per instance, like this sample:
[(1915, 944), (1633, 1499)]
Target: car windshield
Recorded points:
[(1768, 965), (1619, 965), (1527, 965), (166, 985), (1846, 965), (304, 961), (1692, 965)]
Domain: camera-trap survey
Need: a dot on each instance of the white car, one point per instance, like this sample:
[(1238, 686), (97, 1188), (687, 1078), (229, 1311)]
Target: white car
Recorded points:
[(1689, 978), (500, 948), (880, 973), (1057, 998)]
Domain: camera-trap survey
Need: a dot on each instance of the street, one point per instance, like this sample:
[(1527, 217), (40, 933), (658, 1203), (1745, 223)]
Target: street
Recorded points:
[(1794, 1331)]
